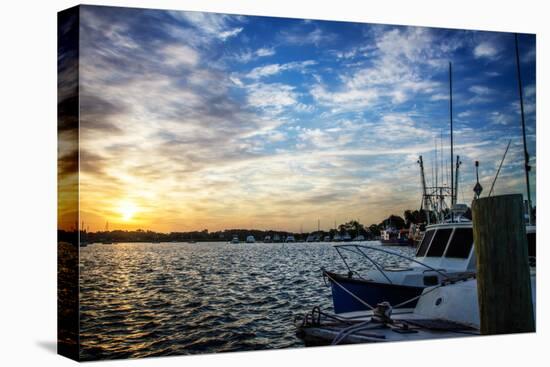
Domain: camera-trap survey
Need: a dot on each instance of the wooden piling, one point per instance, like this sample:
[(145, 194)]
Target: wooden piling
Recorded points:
[(503, 275)]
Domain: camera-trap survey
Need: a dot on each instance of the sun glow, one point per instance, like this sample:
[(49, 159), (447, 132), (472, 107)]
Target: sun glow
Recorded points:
[(127, 210)]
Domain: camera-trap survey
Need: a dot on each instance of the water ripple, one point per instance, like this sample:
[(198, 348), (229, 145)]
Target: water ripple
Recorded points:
[(142, 300)]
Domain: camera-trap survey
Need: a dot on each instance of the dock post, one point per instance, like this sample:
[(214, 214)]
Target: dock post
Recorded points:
[(503, 275)]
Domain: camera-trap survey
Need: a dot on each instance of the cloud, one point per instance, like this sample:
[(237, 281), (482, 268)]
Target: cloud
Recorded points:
[(180, 55), (391, 76), (499, 118), (485, 49), (273, 69), (250, 55), (439, 97), (316, 37), (480, 90), (211, 24), (274, 96)]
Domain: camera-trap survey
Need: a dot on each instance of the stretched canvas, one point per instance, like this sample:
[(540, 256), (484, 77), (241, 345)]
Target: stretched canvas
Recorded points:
[(236, 183)]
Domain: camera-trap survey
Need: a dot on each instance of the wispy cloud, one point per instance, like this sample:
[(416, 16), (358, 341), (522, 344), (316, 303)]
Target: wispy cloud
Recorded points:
[(272, 69), (211, 24), (316, 37), (251, 55)]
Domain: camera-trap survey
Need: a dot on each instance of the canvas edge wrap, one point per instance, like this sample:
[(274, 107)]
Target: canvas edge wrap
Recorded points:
[(68, 236)]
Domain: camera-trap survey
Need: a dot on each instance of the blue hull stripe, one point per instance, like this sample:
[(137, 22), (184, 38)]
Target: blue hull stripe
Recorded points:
[(370, 292)]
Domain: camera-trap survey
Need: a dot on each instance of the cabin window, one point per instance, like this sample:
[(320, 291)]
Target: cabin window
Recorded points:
[(439, 242), (431, 280), (425, 243), (532, 244), (461, 243)]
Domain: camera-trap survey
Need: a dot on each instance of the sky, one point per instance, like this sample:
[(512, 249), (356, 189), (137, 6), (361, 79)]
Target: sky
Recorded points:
[(192, 121)]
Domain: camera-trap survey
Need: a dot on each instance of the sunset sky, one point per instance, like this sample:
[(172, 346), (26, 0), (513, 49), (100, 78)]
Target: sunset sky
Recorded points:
[(196, 120)]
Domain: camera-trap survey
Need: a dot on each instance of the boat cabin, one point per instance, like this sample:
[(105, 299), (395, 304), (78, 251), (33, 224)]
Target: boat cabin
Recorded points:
[(451, 246)]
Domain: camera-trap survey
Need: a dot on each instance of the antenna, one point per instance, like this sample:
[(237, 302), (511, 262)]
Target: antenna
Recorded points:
[(477, 188), (525, 153), (458, 163)]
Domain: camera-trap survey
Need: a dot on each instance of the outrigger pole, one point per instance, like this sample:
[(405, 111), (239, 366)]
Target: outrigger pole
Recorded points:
[(525, 153)]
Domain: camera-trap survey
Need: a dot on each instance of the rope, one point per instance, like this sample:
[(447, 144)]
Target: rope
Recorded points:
[(344, 333), (350, 293)]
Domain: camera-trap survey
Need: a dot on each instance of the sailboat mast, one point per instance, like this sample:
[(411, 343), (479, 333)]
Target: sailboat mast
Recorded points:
[(436, 163), (525, 153), (451, 120)]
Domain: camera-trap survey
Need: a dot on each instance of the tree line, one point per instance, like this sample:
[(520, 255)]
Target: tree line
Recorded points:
[(352, 227)]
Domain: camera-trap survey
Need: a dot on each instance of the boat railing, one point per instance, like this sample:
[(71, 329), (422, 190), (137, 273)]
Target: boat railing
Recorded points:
[(362, 251)]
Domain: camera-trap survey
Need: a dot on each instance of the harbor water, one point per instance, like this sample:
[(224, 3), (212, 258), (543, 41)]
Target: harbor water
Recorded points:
[(140, 299)]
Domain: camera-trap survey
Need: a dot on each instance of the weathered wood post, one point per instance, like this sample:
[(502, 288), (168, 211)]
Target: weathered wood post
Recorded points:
[(503, 275)]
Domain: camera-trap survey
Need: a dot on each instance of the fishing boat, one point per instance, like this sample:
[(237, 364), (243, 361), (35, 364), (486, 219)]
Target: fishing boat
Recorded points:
[(446, 253), (235, 239), (448, 310), (267, 239), (250, 239)]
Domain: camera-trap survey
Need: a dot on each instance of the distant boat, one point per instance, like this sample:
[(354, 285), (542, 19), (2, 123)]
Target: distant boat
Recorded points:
[(346, 237), (313, 238), (326, 239), (290, 238), (337, 238), (359, 238), (394, 237), (267, 239), (235, 239), (250, 239), (276, 238)]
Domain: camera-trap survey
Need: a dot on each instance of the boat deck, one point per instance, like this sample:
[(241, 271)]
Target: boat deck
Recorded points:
[(362, 328)]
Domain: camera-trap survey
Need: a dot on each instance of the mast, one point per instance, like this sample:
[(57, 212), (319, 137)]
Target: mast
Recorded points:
[(425, 199), (458, 163), (453, 199), (525, 153), (436, 164), (442, 160)]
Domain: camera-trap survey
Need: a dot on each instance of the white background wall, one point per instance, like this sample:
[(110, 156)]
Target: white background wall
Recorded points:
[(28, 181)]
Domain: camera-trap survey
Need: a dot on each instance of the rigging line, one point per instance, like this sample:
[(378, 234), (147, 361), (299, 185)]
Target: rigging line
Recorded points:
[(525, 153), (499, 167)]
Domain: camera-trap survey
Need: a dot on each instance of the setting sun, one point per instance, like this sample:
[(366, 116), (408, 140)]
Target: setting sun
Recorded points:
[(127, 210)]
